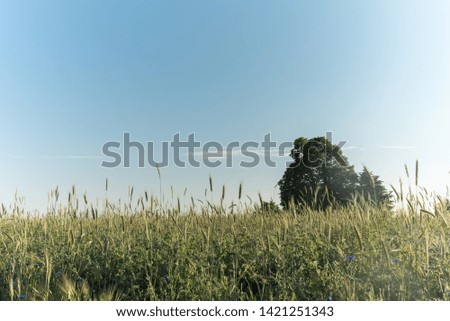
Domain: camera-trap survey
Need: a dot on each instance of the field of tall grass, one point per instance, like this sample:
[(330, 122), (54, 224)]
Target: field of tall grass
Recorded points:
[(144, 250)]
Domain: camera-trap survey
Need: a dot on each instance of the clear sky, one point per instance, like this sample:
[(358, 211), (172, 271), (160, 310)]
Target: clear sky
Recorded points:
[(75, 74)]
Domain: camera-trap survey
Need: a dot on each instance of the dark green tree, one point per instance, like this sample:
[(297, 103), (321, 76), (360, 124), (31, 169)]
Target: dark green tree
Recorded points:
[(270, 207), (371, 188), (318, 177)]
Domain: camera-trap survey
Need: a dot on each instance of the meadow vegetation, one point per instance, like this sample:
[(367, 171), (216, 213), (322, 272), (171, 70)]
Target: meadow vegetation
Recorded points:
[(146, 250)]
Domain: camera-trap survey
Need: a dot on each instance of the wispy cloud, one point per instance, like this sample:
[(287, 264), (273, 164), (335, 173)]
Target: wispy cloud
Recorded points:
[(238, 153), (214, 154), (55, 157), (397, 147), (350, 148), (73, 157), (274, 153)]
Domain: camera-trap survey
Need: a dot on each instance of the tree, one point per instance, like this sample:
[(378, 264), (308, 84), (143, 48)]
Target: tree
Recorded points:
[(318, 177), (270, 207), (371, 188)]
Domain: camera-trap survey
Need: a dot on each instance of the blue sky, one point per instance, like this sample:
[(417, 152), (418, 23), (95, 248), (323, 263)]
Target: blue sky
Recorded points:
[(75, 74)]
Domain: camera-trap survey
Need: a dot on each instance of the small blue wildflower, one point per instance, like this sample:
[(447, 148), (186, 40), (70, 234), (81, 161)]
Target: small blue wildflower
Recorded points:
[(24, 282), (22, 297), (330, 298), (351, 257), (59, 273), (215, 263), (27, 264), (13, 282), (395, 260)]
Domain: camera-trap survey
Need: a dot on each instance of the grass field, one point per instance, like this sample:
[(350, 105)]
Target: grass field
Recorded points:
[(147, 251)]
